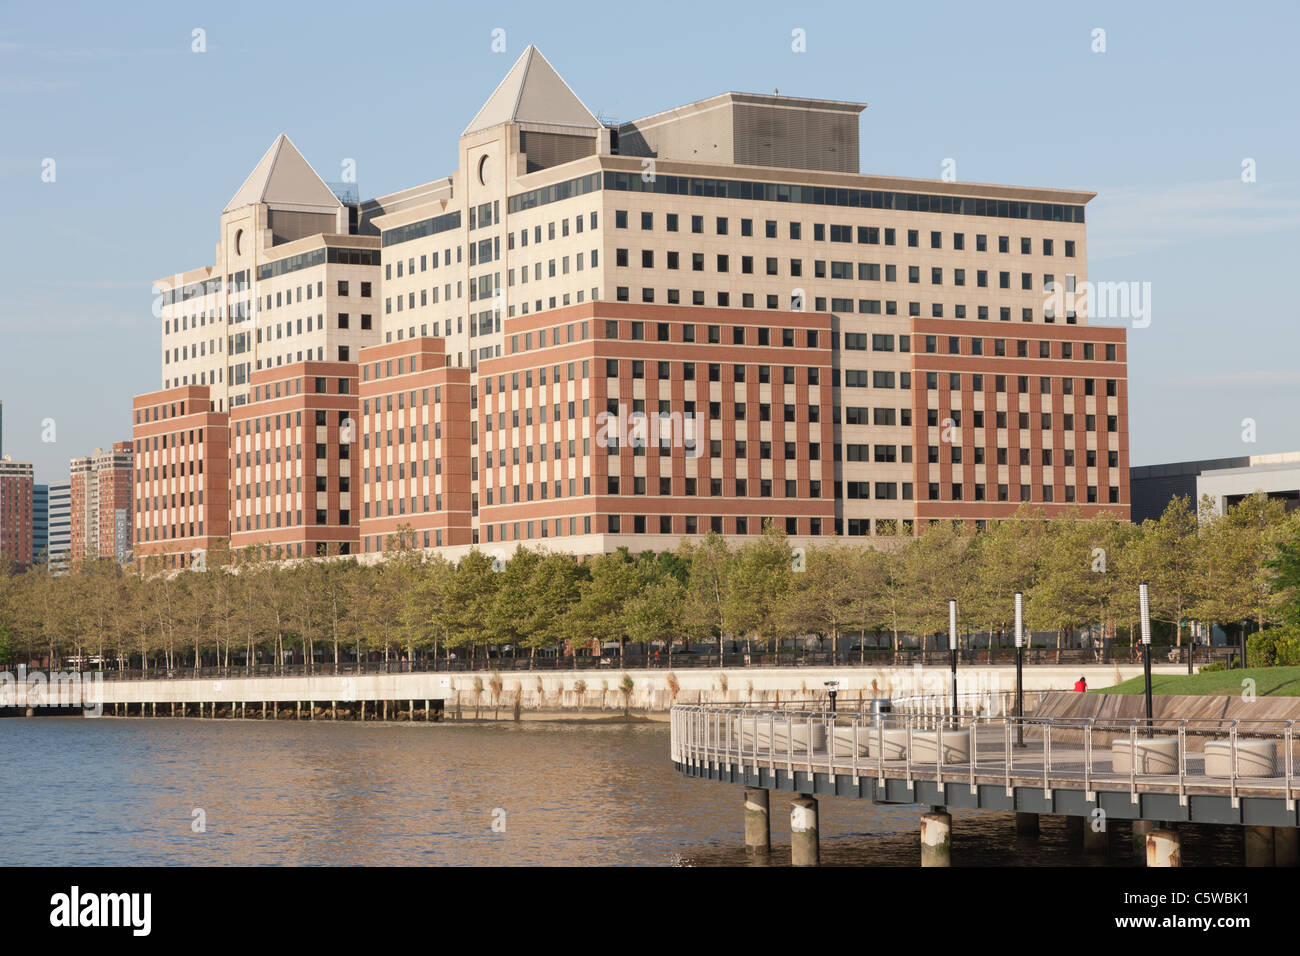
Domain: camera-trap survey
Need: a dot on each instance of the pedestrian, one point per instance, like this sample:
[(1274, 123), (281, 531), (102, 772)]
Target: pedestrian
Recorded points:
[(1081, 685)]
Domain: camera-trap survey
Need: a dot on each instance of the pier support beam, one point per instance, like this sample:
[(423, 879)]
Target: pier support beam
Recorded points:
[(936, 838), (1259, 846), (1141, 829), (758, 831), (1286, 846), (1074, 827), (1096, 842), (805, 846), (1026, 824), (1164, 848)]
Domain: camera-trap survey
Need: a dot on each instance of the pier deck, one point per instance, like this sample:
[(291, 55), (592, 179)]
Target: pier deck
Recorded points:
[(1065, 766)]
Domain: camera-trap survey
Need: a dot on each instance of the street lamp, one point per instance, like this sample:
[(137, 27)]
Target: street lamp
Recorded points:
[(1020, 664), (1144, 605), (831, 691), (952, 646)]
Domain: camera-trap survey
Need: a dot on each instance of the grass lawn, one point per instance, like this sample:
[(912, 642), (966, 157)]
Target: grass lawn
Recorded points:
[(1269, 682)]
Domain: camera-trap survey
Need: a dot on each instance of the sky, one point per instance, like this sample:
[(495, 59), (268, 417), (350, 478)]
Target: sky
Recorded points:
[(150, 138)]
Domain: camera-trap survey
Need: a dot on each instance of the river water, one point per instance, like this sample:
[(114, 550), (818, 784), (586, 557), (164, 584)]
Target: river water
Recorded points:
[(203, 792)]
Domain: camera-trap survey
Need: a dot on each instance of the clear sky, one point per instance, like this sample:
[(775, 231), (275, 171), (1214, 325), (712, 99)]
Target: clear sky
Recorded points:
[(150, 140)]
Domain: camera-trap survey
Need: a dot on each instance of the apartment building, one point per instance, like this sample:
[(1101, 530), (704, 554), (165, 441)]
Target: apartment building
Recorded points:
[(700, 320), (101, 504), (59, 547), (17, 483)]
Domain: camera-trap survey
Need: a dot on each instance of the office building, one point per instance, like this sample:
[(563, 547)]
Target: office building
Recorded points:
[(1225, 480), (705, 319)]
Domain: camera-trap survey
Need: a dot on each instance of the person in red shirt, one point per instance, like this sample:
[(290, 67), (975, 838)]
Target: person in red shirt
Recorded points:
[(1081, 685)]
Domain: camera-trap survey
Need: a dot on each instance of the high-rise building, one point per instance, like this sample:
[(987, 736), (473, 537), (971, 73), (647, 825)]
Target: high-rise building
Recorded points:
[(17, 486), (706, 319), (40, 522), (60, 527), (101, 504)]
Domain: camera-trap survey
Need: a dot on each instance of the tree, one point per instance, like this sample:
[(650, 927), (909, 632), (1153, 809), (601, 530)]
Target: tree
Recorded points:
[(709, 584), (830, 594)]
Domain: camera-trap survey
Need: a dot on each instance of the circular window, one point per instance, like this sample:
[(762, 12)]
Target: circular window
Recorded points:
[(485, 169), (239, 242)]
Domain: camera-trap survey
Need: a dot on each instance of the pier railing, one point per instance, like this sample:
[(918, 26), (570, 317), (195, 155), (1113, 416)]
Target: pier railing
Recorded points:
[(1182, 756)]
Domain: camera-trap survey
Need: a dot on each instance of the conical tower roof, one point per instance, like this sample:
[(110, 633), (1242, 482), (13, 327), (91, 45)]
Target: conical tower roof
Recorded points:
[(533, 92), (284, 178)]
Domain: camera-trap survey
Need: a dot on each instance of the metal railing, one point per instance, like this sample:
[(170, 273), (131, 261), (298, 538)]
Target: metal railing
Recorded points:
[(1184, 755)]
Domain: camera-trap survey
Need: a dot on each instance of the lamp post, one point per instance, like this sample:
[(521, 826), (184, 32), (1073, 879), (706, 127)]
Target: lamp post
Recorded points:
[(1144, 606), (831, 691), (1020, 673), (952, 646), (1191, 649)]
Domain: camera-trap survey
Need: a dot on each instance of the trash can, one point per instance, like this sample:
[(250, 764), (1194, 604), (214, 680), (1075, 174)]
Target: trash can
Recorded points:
[(877, 708)]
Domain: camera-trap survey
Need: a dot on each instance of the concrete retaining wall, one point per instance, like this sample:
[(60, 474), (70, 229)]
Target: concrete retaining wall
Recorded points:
[(653, 690)]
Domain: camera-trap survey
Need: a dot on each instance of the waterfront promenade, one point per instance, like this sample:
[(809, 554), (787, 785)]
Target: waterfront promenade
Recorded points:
[(640, 691)]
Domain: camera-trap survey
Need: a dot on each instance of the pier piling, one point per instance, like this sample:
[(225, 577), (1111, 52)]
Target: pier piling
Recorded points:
[(805, 847), (1141, 830), (1026, 824), (936, 838), (1164, 848), (758, 831), (1286, 846), (1096, 842), (1259, 846)]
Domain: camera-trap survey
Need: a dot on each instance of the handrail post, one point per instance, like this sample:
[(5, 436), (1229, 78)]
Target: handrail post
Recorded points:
[(938, 757), (1288, 741), (1008, 750), (1047, 755), (974, 754), (1132, 761), (1182, 762), (1232, 756), (907, 755), (1087, 756)]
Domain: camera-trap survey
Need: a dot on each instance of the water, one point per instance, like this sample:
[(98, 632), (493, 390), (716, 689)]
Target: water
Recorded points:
[(124, 792)]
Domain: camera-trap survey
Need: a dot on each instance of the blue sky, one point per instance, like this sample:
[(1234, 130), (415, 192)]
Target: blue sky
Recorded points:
[(151, 140)]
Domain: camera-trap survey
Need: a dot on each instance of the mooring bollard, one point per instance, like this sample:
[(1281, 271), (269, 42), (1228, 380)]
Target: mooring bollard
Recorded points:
[(758, 831), (936, 838), (1164, 848), (805, 849)]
